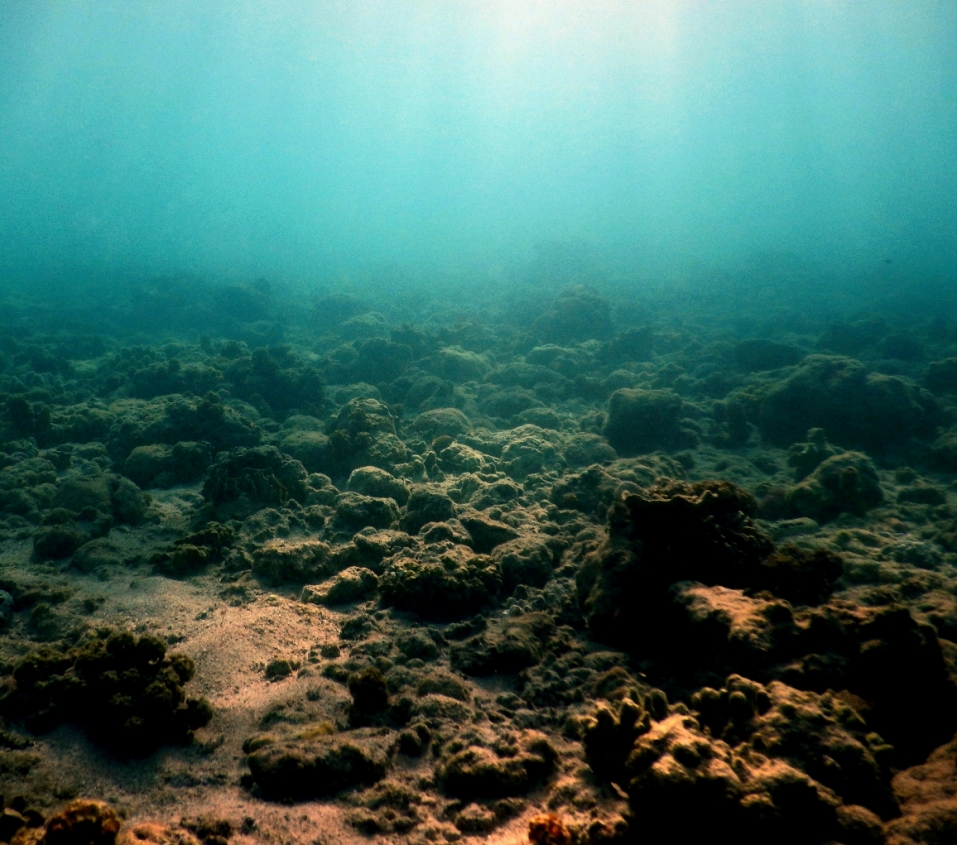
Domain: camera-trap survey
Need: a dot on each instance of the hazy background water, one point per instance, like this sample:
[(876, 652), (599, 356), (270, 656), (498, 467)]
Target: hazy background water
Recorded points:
[(313, 140)]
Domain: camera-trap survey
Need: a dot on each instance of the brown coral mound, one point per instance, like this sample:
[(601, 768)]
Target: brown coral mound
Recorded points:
[(752, 766), (81, 822)]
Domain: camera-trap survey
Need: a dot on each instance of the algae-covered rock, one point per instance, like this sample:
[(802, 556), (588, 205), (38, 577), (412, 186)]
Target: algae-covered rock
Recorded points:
[(509, 402), (363, 433), (644, 420), (944, 450), (273, 378), (585, 449), (363, 416), (370, 695), (799, 575), (747, 761), (323, 765), (312, 449), (436, 709), (590, 491), (445, 684), (460, 365), (123, 689), (808, 730), (193, 552), (892, 662), (85, 508), (96, 553), (858, 409), (529, 449), (426, 505), (417, 644), (112, 495), (457, 457), (632, 344), (439, 583), (853, 338), (62, 532), (355, 511), (844, 483), (352, 584), (526, 560), (926, 794), (507, 646), (674, 766), (27, 486), (806, 457), (578, 313), (373, 481), (450, 422), (486, 765), (81, 822), (261, 475), (726, 626), (495, 493), (372, 546), (162, 465), (486, 533), (379, 361), (282, 561), (387, 807), (178, 419), (7, 604), (757, 353), (941, 376)]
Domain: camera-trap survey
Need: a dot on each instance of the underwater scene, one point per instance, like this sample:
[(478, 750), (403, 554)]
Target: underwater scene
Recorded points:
[(444, 421)]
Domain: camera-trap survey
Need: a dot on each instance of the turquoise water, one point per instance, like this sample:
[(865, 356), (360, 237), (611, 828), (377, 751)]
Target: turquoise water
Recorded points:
[(309, 141)]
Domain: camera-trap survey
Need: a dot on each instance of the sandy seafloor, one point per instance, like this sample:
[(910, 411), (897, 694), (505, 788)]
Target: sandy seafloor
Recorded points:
[(381, 532)]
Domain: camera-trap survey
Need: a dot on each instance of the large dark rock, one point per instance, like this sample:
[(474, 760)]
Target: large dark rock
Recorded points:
[(441, 584), (858, 409), (178, 419), (645, 420), (323, 765), (844, 483), (424, 506)]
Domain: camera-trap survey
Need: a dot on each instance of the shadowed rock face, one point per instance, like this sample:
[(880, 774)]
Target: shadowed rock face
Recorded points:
[(675, 532)]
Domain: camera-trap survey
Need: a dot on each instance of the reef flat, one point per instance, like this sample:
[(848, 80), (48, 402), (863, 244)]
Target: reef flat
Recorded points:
[(592, 566)]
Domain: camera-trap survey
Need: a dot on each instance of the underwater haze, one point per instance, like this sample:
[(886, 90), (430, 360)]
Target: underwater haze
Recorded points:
[(301, 139)]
